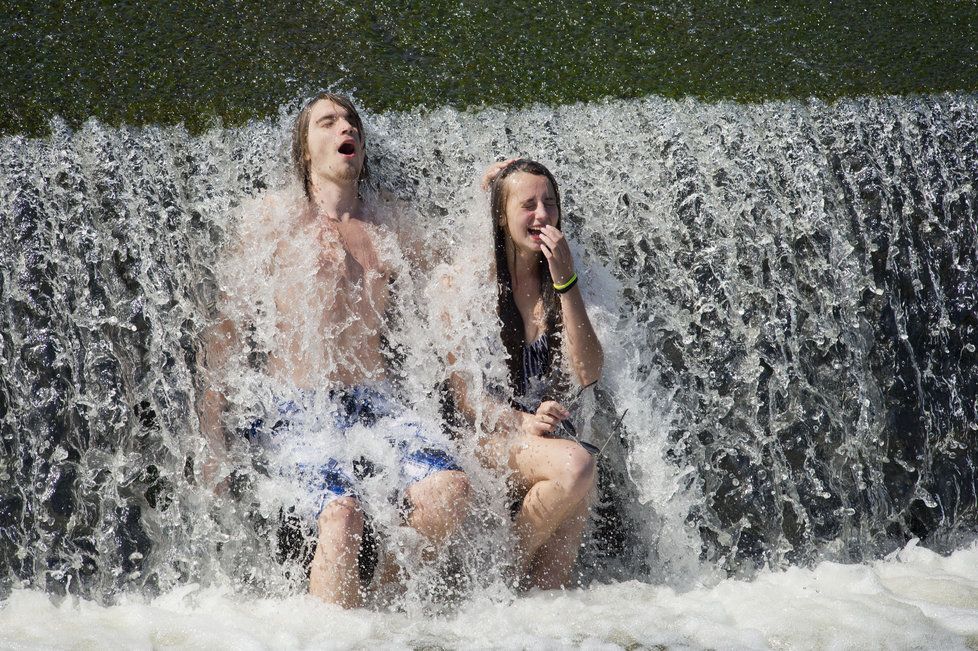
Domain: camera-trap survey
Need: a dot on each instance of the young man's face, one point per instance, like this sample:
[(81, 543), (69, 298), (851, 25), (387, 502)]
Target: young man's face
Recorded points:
[(334, 146)]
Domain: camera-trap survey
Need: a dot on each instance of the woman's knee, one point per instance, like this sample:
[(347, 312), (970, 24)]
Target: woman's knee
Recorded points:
[(342, 515), (578, 474)]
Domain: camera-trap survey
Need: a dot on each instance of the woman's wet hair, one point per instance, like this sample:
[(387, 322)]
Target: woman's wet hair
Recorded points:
[(300, 137), (512, 322)]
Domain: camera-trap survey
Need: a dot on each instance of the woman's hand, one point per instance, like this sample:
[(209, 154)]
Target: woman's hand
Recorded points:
[(549, 415), (558, 254), (493, 171)]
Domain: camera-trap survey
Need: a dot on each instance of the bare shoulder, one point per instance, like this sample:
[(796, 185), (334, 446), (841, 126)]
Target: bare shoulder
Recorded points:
[(273, 214), (384, 211), (261, 222), (457, 275), (381, 215)]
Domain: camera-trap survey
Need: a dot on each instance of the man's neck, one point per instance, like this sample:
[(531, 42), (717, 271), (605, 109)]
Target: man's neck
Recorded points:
[(335, 201)]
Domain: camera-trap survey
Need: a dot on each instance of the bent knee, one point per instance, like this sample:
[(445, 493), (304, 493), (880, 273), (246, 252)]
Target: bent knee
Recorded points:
[(343, 513), (579, 473), (451, 487), (447, 490)]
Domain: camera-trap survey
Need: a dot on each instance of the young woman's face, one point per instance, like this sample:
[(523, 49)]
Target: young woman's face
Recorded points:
[(531, 204)]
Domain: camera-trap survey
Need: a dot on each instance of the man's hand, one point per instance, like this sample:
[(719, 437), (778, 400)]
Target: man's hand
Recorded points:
[(549, 415)]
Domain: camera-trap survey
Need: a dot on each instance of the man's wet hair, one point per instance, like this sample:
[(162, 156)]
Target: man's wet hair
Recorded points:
[(300, 137)]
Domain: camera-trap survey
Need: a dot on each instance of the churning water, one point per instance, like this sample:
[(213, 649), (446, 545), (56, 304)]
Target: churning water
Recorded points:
[(786, 294)]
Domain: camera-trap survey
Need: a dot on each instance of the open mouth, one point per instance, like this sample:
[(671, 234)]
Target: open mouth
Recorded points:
[(534, 232), (348, 148)]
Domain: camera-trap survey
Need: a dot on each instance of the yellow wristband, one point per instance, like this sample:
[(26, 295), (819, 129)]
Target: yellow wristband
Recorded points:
[(565, 287)]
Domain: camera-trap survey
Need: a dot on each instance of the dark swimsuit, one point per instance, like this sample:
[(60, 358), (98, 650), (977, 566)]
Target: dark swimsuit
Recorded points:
[(535, 361), (536, 382)]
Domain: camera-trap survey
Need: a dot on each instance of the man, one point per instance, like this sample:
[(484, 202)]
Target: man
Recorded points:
[(308, 288)]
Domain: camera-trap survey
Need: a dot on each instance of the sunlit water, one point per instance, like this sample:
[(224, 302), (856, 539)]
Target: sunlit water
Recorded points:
[(912, 600), (785, 292)]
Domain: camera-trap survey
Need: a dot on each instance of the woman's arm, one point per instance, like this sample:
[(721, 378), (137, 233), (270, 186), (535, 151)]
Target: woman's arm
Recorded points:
[(494, 416), (502, 420), (586, 355)]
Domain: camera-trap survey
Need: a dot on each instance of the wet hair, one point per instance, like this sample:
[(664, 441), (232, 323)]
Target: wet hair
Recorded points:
[(509, 314), (300, 137)]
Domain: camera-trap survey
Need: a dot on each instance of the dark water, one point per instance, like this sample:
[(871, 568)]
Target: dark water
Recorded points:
[(194, 62), (787, 292)]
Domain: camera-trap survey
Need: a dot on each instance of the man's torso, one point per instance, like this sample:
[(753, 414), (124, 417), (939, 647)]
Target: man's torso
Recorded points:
[(331, 291)]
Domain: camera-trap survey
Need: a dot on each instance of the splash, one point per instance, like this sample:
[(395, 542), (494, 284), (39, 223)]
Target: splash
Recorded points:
[(785, 293)]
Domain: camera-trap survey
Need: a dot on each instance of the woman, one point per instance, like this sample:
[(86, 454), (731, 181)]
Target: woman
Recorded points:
[(544, 325)]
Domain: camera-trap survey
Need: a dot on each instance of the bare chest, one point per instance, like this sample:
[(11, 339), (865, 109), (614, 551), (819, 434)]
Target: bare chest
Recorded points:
[(348, 253), (530, 306), (321, 263)]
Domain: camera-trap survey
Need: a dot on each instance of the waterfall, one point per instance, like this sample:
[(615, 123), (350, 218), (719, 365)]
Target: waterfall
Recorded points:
[(786, 294)]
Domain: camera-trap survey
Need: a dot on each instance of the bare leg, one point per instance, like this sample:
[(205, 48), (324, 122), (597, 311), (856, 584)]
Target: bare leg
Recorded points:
[(554, 560), (439, 503), (334, 576), (388, 580), (560, 475)]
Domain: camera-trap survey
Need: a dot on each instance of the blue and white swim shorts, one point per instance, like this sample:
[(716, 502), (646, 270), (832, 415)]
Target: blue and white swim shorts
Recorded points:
[(337, 443)]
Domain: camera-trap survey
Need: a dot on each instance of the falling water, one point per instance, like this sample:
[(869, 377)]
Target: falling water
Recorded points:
[(786, 295)]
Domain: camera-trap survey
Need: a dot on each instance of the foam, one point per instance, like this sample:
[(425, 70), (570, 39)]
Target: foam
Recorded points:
[(913, 599)]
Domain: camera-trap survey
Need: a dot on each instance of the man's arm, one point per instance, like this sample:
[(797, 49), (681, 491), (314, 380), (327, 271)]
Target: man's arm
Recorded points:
[(238, 271), (217, 343)]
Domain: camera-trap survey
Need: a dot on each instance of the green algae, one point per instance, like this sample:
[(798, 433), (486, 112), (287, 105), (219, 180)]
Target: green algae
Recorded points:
[(197, 62)]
